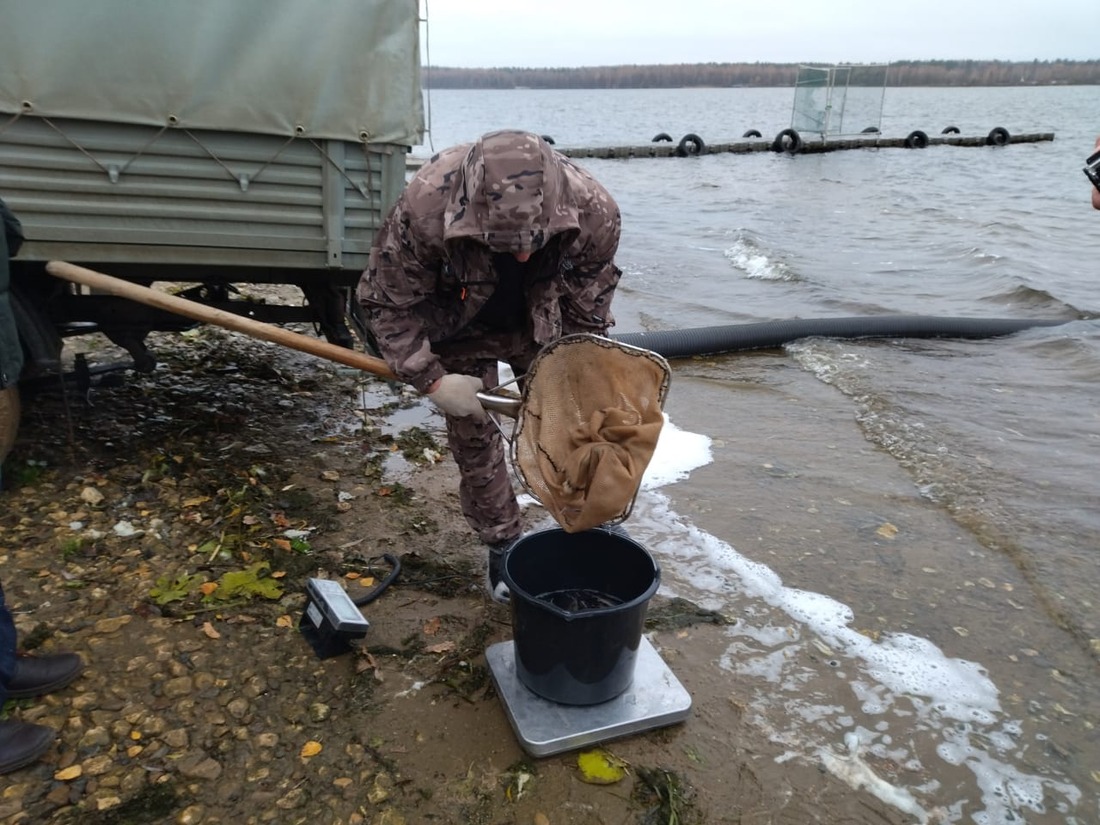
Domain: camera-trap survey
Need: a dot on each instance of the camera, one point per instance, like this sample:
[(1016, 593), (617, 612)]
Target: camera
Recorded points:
[(1092, 168)]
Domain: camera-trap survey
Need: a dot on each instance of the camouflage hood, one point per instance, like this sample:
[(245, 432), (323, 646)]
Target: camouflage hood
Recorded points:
[(509, 194)]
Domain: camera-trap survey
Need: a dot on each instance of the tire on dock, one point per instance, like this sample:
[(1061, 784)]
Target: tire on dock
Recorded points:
[(950, 130), (752, 133), (871, 130), (662, 136), (787, 141), (916, 140), (690, 144), (998, 136)]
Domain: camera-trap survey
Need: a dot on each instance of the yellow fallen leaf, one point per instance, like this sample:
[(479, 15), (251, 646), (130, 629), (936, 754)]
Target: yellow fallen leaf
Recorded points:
[(310, 748), (196, 501), (598, 767), (206, 588), (279, 574), (887, 531), (209, 630), (366, 581), (71, 772), (284, 621), (282, 544), (441, 647), (134, 750)]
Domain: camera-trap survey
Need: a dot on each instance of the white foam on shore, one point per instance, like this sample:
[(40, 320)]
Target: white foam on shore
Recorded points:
[(678, 453), (950, 704)]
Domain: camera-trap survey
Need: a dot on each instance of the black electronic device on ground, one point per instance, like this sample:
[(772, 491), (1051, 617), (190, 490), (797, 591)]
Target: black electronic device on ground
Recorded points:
[(331, 621)]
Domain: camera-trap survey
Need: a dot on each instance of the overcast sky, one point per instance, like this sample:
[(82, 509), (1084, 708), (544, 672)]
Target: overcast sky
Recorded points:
[(562, 33)]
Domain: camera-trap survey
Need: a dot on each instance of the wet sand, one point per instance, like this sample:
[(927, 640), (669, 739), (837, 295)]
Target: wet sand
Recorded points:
[(795, 486)]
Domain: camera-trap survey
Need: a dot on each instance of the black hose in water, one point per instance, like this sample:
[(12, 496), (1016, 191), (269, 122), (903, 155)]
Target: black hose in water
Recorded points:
[(681, 343)]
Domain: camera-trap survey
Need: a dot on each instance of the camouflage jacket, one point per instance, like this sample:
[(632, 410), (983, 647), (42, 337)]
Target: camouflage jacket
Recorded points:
[(431, 267)]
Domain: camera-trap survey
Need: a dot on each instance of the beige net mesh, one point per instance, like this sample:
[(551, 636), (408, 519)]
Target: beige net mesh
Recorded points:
[(588, 425)]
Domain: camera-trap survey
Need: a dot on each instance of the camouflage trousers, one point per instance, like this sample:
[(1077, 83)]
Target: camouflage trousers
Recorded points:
[(486, 491)]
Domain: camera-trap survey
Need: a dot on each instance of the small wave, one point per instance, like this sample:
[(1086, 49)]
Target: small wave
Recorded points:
[(979, 256), (1023, 296), (747, 255)]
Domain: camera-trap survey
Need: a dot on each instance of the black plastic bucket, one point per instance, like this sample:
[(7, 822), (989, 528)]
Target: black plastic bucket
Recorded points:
[(578, 606)]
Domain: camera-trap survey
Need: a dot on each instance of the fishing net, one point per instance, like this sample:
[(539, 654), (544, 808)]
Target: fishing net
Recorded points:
[(587, 427)]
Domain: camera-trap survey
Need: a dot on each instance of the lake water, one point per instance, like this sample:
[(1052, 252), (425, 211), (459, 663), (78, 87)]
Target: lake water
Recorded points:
[(908, 530)]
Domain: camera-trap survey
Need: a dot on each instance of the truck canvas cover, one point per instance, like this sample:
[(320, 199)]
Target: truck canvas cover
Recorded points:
[(340, 69)]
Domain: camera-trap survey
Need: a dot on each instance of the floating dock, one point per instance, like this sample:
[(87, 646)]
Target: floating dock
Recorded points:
[(788, 141), (791, 142)]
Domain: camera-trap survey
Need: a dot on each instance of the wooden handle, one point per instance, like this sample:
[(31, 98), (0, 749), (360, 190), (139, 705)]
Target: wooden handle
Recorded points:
[(221, 318)]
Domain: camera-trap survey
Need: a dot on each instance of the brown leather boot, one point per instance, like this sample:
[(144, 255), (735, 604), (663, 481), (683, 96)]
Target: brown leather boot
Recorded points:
[(22, 743), (38, 675)]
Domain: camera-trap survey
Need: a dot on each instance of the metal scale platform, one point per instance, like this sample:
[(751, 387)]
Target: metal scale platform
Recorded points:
[(655, 699)]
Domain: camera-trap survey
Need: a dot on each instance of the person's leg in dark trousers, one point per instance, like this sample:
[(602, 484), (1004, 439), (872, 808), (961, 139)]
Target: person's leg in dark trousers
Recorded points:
[(8, 641), (21, 743)]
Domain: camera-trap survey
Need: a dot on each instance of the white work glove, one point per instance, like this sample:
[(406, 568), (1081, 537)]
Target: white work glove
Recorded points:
[(457, 395)]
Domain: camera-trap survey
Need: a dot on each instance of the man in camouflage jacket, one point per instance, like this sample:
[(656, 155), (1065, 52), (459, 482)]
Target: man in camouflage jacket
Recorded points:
[(494, 249)]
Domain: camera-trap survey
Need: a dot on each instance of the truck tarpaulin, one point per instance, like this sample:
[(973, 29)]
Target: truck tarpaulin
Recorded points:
[(337, 69)]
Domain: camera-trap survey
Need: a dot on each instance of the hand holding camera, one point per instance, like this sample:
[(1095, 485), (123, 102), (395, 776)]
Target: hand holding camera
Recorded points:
[(1092, 172), (1092, 168)]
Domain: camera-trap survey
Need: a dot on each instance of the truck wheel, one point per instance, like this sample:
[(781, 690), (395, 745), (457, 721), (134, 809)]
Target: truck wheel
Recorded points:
[(357, 320)]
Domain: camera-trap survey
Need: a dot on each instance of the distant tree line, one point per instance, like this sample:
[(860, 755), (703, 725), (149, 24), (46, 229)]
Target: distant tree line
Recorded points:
[(901, 73)]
